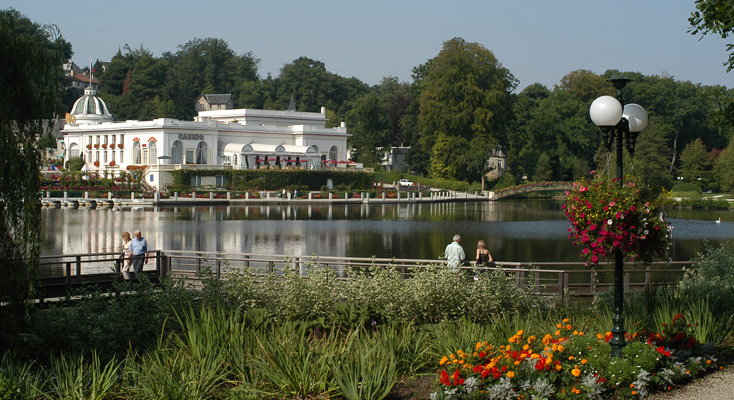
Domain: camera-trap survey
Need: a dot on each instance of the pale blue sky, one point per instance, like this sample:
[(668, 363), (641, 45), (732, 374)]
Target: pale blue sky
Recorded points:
[(538, 41)]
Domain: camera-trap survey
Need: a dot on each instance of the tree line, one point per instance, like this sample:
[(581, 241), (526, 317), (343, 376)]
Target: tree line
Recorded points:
[(458, 107)]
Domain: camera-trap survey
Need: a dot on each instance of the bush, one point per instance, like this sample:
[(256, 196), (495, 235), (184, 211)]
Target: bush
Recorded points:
[(687, 187)]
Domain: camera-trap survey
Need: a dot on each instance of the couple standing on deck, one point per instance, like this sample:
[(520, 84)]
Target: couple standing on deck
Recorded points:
[(455, 256), (135, 252)]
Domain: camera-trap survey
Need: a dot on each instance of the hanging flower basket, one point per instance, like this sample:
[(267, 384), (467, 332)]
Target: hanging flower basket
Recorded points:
[(605, 217)]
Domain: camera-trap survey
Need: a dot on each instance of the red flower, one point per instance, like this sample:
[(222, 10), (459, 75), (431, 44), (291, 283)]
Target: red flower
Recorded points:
[(445, 378)]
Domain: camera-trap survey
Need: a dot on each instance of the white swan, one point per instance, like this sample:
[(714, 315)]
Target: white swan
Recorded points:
[(718, 221)]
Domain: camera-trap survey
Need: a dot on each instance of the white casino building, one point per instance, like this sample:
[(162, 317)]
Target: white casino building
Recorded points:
[(216, 139)]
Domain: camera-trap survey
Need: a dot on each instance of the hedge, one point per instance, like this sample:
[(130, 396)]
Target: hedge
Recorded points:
[(279, 179)]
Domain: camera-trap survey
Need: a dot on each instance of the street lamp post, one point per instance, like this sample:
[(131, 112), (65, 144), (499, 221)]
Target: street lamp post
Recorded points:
[(620, 124)]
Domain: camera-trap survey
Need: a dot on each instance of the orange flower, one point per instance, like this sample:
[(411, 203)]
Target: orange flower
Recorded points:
[(575, 371), (510, 374)]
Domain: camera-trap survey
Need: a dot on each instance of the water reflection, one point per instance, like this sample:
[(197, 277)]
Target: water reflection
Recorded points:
[(526, 230)]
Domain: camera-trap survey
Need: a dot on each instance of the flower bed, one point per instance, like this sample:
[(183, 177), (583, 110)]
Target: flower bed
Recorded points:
[(568, 364)]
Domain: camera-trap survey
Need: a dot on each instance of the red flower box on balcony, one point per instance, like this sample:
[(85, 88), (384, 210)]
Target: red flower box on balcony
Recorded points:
[(96, 146), (112, 164), (119, 145), (104, 146), (89, 146), (96, 163)]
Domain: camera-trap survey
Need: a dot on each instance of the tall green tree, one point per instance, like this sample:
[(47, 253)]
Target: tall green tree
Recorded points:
[(464, 93), (369, 126), (30, 77), (695, 163), (724, 168)]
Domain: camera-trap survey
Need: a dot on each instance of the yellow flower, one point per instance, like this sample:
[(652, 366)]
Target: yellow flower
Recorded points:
[(559, 367), (444, 360), (571, 358), (575, 371), (510, 374), (565, 320), (560, 348), (569, 327), (531, 339), (584, 361), (517, 362)]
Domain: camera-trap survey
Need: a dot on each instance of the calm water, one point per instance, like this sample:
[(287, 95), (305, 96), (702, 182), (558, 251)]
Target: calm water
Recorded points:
[(519, 230)]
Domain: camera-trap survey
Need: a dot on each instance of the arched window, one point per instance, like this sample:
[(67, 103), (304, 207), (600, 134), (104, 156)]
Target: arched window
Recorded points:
[(136, 152), (234, 161), (152, 152), (73, 150), (201, 153), (332, 153), (177, 152)]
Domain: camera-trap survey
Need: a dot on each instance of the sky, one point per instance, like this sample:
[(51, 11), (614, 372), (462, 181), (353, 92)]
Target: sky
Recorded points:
[(537, 40)]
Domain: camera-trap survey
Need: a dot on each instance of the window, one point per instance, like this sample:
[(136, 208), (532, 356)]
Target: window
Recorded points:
[(201, 153), (221, 180), (234, 160), (73, 150), (195, 180), (177, 153), (332, 153), (189, 156), (136, 152), (152, 152)]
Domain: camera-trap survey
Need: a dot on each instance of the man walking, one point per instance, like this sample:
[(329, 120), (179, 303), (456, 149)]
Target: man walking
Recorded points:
[(454, 254), (140, 252)]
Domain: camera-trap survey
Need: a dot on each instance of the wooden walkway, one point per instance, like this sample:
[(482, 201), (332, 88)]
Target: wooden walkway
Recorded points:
[(63, 273)]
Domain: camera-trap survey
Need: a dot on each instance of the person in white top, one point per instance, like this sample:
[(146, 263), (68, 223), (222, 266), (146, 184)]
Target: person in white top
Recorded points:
[(454, 254)]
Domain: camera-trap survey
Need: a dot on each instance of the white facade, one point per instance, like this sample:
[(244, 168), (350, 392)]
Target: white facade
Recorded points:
[(221, 139)]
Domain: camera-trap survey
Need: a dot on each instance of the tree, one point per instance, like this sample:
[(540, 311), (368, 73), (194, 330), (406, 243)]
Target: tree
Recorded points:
[(543, 170), (650, 162), (464, 92), (695, 165), (724, 168), (370, 129), (30, 75), (75, 164), (714, 17), (48, 141)]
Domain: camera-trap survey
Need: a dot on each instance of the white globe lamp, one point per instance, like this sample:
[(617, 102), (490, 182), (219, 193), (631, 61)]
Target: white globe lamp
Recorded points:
[(637, 117), (605, 111)]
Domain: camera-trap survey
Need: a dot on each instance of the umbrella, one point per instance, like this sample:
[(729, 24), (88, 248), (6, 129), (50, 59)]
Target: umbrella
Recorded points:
[(271, 159), (259, 160), (342, 162)]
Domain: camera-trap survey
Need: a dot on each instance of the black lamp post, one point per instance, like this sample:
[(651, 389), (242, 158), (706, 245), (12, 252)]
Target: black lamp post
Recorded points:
[(622, 124)]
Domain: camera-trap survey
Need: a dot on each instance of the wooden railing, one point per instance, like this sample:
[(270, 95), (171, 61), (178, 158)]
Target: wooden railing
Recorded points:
[(65, 272)]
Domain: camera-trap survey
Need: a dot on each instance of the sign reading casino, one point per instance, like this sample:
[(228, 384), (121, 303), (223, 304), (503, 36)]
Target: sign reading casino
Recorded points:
[(190, 136)]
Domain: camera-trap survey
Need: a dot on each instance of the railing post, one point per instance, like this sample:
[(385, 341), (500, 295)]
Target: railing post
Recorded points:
[(219, 269), (78, 269), (593, 280), (648, 276), (561, 284), (68, 274)]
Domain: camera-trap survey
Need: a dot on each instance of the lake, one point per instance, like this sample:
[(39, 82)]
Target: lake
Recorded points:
[(514, 230)]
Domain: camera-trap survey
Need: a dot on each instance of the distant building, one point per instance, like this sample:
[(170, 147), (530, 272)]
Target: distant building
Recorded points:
[(394, 158), (497, 161), (216, 139), (208, 102)]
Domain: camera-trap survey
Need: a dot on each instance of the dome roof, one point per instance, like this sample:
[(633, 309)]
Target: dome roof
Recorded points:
[(90, 109)]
